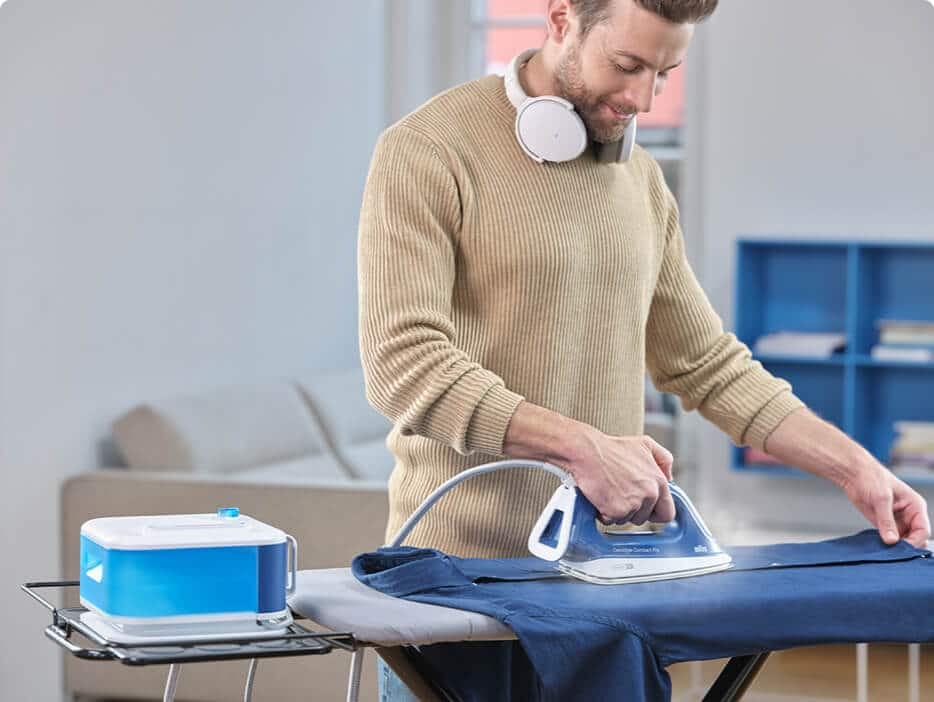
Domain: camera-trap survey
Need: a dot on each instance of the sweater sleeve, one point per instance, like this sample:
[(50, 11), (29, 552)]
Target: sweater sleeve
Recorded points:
[(689, 354), (415, 373)]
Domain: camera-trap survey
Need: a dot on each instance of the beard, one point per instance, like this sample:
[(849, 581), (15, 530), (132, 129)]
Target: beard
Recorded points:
[(570, 85)]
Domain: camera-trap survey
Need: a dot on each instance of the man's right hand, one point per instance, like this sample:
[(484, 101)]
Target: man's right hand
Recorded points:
[(625, 477)]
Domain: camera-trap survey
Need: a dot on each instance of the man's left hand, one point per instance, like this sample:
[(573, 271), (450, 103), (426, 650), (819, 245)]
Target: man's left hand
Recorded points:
[(897, 511), (804, 440)]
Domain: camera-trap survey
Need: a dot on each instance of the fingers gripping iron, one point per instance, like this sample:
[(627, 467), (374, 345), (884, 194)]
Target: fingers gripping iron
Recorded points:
[(567, 532)]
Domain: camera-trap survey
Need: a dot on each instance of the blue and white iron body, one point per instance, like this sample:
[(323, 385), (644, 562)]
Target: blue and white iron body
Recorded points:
[(567, 532), (201, 576)]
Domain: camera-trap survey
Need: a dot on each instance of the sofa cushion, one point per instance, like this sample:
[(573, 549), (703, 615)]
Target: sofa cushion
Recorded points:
[(370, 461), (311, 469), (338, 398), (220, 431), (357, 431)]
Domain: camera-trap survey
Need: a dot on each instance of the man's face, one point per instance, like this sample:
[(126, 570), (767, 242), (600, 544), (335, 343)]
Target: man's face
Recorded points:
[(618, 68)]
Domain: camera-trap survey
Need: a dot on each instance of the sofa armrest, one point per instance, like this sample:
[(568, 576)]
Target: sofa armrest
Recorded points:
[(332, 521)]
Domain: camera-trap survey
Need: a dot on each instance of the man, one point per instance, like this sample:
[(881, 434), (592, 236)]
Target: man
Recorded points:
[(511, 308)]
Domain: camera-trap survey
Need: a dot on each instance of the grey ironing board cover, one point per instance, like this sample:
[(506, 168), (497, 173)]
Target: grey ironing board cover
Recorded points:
[(334, 598)]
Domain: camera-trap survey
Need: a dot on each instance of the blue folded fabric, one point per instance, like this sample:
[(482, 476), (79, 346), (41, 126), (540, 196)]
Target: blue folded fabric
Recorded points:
[(594, 642)]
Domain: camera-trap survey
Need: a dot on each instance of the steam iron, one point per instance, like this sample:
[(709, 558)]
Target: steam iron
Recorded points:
[(567, 532)]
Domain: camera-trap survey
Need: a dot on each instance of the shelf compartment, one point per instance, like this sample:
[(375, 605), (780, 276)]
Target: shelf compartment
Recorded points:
[(888, 394), (896, 282), (790, 286), (836, 285)]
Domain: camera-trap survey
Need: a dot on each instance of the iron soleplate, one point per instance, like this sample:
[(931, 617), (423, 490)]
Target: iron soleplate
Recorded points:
[(619, 570)]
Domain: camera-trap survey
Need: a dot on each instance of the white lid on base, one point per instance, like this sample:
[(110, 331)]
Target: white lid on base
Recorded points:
[(180, 531)]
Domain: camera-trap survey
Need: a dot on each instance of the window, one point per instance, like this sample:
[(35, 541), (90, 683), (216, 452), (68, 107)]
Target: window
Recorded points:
[(500, 29)]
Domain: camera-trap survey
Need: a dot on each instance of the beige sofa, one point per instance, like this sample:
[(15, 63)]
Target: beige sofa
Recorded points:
[(307, 456)]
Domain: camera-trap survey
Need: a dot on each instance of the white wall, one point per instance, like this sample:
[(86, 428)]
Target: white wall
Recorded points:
[(808, 119), (179, 190), (428, 50)]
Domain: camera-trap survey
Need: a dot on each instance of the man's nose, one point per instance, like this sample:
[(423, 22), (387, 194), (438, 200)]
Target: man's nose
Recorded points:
[(640, 93)]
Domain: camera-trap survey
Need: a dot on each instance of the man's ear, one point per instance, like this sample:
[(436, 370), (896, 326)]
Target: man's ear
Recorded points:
[(558, 18)]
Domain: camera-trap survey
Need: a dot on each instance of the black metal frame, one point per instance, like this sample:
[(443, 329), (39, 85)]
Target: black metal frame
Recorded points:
[(66, 621), (735, 678), (730, 685)]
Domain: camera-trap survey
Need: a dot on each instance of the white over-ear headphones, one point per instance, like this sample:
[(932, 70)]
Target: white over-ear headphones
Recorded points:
[(549, 129)]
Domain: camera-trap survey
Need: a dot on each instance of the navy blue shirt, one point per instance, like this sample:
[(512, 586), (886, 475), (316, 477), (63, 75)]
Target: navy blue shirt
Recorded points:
[(578, 640)]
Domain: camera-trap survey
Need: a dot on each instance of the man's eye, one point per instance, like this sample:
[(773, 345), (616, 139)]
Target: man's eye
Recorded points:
[(628, 71)]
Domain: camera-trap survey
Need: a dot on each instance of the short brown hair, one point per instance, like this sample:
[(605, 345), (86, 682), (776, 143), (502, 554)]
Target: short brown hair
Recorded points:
[(593, 12)]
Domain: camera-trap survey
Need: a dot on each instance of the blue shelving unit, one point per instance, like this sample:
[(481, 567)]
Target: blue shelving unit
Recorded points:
[(834, 286)]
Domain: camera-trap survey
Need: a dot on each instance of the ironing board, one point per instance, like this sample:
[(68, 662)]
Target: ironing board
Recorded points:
[(335, 599)]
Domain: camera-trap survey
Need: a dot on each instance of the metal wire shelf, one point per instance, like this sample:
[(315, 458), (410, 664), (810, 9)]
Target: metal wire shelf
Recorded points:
[(66, 622)]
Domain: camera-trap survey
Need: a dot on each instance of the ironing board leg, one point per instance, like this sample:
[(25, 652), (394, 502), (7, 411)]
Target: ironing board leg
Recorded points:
[(862, 672), (356, 669), (735, 678), (171, 682), (914, 672)]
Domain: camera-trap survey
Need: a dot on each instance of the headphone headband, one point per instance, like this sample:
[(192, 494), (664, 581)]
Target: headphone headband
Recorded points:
[(514, 90)]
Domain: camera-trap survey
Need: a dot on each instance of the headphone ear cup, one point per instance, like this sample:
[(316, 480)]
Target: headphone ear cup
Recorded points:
[(629, 141), (549, 129), (619, 151)]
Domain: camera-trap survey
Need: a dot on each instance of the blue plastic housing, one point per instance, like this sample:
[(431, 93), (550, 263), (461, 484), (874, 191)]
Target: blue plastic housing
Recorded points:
[(183, 582), (684, 537)]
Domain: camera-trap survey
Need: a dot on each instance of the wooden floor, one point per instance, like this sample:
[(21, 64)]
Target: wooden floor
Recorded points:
[(816, 674)]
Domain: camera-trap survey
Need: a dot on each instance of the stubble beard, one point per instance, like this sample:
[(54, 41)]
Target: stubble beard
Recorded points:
[(570, 85)]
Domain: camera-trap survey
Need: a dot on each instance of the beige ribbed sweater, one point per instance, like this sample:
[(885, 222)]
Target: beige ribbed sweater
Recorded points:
[(486, 278)]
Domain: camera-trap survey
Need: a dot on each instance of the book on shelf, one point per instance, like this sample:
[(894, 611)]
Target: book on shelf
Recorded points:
[(908, 470), (913, 469), (912, 452), (800, 344), (905, 332), (918, 458), (896, 338), (913, 428), (888, 352), (922, 326)]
